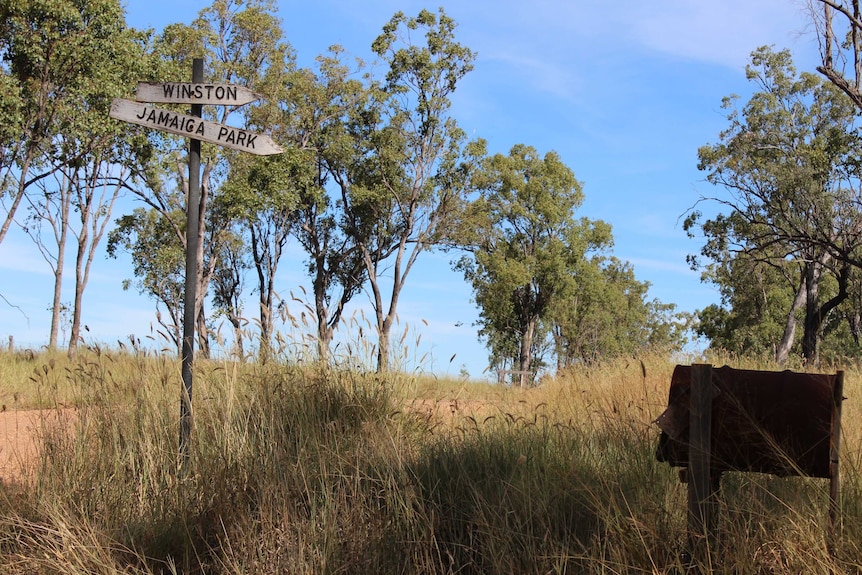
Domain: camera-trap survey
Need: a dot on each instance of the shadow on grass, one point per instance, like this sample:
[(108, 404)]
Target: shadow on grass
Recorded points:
[(296, 472)]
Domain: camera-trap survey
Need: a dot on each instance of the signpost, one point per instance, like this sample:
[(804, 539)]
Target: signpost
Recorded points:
[(193, 127), (197, 93)]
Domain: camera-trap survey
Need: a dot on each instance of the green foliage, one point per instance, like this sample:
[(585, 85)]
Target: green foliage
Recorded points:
[(399, 160), (606, 314), (267, 184), (434, 70), (525, 243), (788, 162), (11, 120), (536, 269), (68, 60), (158, 261), (753, 315), (61, 64)]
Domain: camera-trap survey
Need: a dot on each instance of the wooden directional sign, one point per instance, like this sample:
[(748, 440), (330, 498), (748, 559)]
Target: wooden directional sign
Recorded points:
[(192, 127), (190, 93)]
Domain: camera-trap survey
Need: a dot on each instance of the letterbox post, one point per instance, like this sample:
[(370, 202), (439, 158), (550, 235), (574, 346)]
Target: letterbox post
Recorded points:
[(834, 452), (700, 484)]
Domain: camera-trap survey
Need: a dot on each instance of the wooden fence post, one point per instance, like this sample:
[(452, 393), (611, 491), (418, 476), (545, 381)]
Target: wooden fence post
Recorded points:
[(701, 485), (834, 453)]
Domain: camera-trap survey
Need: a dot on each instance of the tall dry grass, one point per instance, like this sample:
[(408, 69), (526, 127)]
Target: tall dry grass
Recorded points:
[(319, 470)]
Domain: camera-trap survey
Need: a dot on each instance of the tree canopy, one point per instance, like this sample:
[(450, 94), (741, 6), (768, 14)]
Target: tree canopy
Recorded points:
[(537, 270), (789, 162)]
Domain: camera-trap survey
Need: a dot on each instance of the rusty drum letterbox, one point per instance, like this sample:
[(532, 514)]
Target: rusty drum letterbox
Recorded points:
[(762, 421)]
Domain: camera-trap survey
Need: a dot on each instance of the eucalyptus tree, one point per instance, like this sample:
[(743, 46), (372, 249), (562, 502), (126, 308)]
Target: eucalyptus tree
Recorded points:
[(308, 111), (263, 195), (525, 246), (752, 317), (158, 264), (76, 200), (228, 280), (404, 181), (323, 102), (239, 42), (68, 60), (45, 50), (789, 162), (604, 313)]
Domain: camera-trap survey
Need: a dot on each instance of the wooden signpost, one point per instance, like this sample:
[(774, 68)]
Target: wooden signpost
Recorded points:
[(193, 127), (197, 93), (191, 93)]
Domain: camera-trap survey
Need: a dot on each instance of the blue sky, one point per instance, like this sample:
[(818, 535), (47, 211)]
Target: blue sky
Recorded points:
[(624, 91)]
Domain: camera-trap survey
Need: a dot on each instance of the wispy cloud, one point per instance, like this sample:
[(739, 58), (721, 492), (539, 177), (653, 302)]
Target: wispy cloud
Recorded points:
[(723, 33), (17, 256)]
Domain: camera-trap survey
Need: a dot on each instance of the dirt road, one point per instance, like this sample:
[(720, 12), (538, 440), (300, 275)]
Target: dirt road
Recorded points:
[(17, 441), (19, 431)]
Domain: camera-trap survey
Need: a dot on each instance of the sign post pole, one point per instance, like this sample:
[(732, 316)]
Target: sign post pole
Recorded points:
[(193, 199), (196, 129)]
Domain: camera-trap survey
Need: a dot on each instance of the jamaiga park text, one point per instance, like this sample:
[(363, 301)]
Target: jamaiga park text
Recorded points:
[(194, 126), (172, 121)]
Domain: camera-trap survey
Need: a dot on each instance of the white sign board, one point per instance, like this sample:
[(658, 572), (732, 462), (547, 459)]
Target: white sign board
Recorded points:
[(192, 127), (189, 93)]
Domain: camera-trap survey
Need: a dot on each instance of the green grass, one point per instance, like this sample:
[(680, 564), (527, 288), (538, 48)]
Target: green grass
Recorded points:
[(313, 470)]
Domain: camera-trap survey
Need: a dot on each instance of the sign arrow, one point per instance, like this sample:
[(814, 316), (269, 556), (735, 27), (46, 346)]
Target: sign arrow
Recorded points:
[(192, 127), (190, 93)]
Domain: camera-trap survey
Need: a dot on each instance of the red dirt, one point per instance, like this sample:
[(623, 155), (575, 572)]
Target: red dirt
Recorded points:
[(19, 430), (17, 441)]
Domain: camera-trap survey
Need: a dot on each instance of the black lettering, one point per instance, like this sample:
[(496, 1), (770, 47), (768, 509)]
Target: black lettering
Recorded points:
[(249, 142), (152, 118), (169, 90), (142, 114), (209, 90), (219, 92), (240, 138), (199, 93), (231, 93), (200, 129), (222, 131), (175, 122)]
